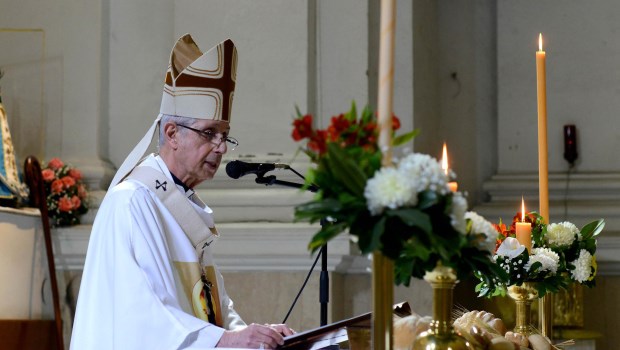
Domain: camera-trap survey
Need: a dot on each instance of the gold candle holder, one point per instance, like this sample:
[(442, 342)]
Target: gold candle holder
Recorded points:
[(523, 296), (441, 334)]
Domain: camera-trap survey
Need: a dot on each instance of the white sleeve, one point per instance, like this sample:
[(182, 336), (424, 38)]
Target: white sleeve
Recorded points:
[(230, 317), (128, 298)]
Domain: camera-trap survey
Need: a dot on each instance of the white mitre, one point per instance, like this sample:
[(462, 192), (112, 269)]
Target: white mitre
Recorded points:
[(197, 85)]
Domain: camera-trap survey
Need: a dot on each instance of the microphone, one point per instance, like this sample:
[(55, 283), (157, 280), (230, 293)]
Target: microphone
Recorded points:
[(237, 168)]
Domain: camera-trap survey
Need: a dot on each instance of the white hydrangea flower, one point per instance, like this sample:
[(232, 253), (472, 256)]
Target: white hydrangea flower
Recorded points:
[(510, 248), (547, 257), (481, 225), (583, 266), (426, 172), (389, 188), (562, 234), (459, 207)]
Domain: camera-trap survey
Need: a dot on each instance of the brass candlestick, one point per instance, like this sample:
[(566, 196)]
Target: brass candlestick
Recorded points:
[(441, 334), (523, 296)]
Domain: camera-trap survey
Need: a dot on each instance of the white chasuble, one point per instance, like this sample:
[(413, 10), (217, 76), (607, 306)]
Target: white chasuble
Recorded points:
[(142, 284)]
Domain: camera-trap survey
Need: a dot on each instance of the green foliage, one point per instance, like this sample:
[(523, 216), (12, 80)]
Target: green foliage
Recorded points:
[(416, 238), (545, 280)]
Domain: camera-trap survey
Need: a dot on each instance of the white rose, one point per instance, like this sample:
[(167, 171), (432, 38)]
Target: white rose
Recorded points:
[(510, 248)]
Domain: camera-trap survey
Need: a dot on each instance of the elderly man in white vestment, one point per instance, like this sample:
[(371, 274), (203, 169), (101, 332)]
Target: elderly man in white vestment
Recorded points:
[(149, 281)]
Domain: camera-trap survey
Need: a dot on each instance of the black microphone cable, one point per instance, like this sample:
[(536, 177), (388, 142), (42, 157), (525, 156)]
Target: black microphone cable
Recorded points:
[(302, 287)]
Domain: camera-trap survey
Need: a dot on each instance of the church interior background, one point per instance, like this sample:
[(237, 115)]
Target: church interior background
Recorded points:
[(83, 82)]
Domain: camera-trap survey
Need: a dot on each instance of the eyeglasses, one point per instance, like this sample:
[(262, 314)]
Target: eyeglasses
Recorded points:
[(211, 136)]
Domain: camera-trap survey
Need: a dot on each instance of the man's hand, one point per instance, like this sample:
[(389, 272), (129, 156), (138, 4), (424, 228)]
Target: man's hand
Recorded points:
[(255, 336), (282, 329)]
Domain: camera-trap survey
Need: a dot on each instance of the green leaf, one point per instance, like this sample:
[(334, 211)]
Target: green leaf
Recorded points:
[(412, 217), (317, 209), (346, 170), (367, 115), (592, 229), (326, 233), (415, 249), (353, 111), (427, 199), (298, 112), (377, 231), (404, 138)]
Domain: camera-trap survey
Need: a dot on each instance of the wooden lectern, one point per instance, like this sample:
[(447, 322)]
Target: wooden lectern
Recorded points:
[(355, 330)]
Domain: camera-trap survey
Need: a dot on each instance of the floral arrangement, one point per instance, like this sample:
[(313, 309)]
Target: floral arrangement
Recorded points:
[(561, 254), (66, 194), (406, 211)]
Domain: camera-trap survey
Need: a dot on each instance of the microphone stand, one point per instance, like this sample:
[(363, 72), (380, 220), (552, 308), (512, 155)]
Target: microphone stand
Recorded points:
[(324, 278), (271, 180)]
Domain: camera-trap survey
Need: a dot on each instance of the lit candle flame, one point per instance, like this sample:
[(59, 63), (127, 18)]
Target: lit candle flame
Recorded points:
[(540, 42), (444, 159), (522, 210)]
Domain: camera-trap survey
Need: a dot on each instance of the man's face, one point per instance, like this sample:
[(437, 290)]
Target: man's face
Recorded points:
[(198, 157)]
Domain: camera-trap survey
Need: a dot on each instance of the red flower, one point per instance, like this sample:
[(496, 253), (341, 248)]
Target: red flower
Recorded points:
[(302, 127), (65, 204), (76, 174), (338, 125), (48, 175), (57, 186), (318, 142), (68, 181), (371, 127), (55, 164), (395, 122)]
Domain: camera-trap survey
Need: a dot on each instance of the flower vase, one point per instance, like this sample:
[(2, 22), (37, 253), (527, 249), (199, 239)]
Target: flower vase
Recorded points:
[(523, 296), (441, 333)]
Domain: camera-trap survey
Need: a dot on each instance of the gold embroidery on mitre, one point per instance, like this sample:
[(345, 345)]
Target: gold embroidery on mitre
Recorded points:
[(214, 70)]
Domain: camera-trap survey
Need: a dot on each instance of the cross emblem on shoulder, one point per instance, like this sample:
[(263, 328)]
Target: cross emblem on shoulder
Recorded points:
[(160, 184)]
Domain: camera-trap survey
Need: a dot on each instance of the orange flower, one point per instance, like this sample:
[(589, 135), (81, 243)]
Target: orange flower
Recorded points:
[(76, 174), (57, 186), (68, 181), (48, 175), (81, 191), (76, 202), (65, 204), (55, 164)]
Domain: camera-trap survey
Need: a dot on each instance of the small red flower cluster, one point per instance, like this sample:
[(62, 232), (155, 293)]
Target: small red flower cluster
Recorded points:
[(344, 129), (66, 194)]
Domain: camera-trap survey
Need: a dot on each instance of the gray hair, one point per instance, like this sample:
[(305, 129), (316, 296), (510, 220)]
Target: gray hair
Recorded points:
[(165, 118)]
